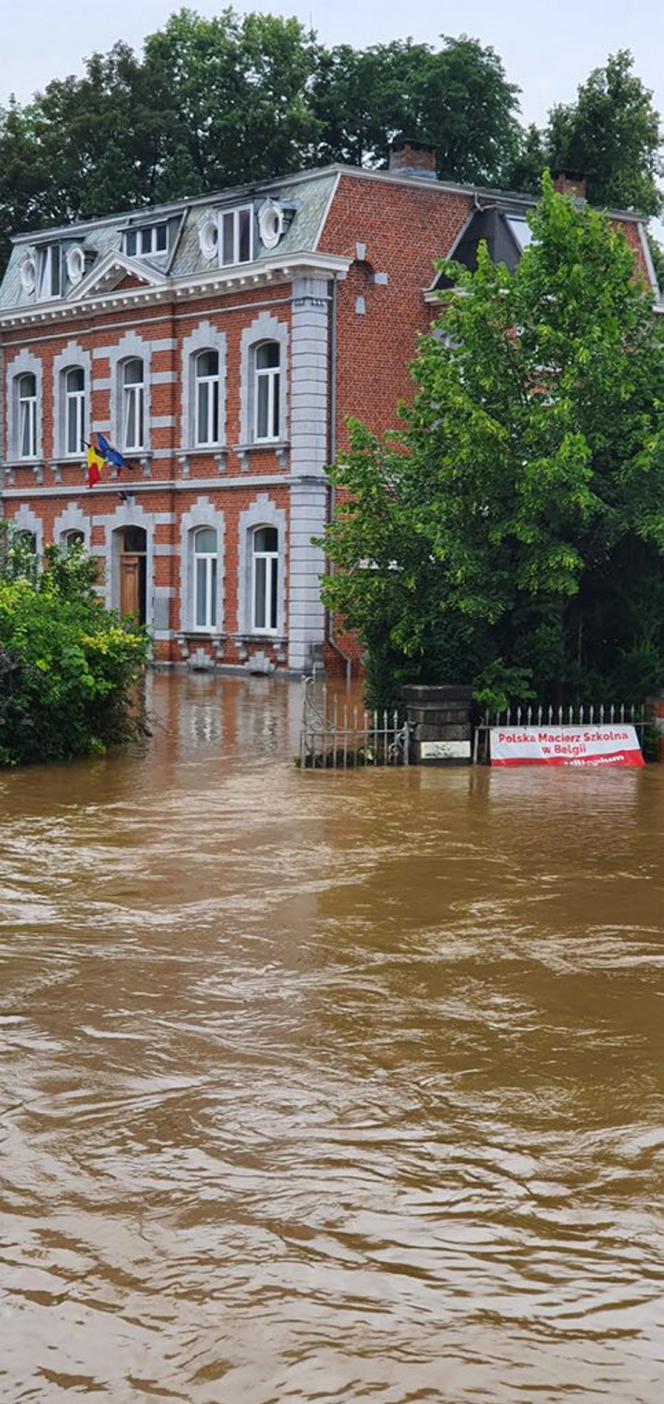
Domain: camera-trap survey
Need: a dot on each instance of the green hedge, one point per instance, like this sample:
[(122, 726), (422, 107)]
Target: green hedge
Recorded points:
[(70, 671)]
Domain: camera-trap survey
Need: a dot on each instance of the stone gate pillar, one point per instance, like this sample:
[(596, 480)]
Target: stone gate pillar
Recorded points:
[(441, 722)]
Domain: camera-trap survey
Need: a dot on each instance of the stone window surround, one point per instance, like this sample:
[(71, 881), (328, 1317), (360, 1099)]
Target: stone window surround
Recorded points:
[(72, 519), (205, 337), (72, 356), (261, 512), (265, 327), (27, 520), (127, 514), (130, 346), (201, 514), (24, 364)]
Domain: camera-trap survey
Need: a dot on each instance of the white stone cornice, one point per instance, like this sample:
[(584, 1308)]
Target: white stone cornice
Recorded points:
[(239, 278)]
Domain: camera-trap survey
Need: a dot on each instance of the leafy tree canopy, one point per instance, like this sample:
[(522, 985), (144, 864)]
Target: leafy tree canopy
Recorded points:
[(610, 134), (517, 520), (234, 98)]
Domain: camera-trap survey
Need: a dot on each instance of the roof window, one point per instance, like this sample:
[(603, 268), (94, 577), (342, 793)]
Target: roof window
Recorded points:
[(147, 239)]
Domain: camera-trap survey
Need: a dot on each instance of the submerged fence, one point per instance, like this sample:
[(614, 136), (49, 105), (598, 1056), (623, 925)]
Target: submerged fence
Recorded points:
[(543, 714), (336, 735)]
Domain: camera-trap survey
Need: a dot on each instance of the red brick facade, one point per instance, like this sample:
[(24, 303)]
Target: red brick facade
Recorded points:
[(368, 267)]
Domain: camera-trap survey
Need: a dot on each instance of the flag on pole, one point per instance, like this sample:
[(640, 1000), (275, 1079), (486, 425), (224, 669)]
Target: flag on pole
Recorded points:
[(112, 455), (95, 465)]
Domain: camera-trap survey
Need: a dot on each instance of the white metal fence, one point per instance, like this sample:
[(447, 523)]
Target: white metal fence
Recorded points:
[(542, 714), (336, 735)]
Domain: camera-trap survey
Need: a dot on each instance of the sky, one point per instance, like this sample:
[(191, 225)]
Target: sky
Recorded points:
[(547, 49)]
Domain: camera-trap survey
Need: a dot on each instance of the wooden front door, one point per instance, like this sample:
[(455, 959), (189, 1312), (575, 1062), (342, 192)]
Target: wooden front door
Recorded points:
[(130, 584)]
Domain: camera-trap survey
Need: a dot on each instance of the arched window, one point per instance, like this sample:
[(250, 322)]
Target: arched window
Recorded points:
[(133, 404), (205, 578), (74, 537), (28, 539), (267, 377), (264, 580), (74, 410), (27, 415), (206, 416)]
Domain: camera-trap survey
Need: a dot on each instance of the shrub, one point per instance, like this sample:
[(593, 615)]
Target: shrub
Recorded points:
[(69, 669)]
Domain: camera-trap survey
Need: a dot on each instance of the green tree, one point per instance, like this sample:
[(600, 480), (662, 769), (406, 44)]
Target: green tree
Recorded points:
[(235, 89), (456, 97), (517, 518), (612, 135)]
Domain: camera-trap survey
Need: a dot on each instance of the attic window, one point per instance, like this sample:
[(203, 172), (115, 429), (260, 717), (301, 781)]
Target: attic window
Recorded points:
[(147, 239), (48, 271), (521, 230), (236, 242)]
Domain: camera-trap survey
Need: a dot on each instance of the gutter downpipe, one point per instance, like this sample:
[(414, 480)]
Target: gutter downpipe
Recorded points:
[(331, 499)]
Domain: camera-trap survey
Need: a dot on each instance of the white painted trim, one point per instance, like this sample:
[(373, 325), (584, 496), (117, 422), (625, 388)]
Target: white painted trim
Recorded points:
[(243, 275), (113, 262)]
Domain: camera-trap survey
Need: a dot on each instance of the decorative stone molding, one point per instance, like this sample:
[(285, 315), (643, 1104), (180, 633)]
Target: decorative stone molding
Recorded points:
[(72, 357), (131, 345), (128, 513), (27, 520), (23, 364), (261, 512), (205, 337), (201, 514), (265, 327), (72, 519)]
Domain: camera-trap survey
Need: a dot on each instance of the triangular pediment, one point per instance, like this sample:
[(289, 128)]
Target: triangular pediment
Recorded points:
[(116, 271)]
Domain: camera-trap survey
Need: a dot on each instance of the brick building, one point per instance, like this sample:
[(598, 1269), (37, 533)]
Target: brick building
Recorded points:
[(220, 343)]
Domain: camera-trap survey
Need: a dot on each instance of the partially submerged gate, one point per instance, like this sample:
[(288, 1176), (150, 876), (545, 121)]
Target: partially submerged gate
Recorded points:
[(336, 735)]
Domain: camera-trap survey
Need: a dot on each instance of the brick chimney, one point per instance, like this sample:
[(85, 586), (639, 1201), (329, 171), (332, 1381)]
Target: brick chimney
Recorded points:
[(413, 158), (570, 183)]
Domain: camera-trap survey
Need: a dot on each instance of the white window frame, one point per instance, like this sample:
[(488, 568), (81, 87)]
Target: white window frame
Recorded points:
[(48, 266), (133, 394), (26, 410), (74, 403), (272, 376), (235, 214), (145, 238), (211, 572), (207, 439), (271, 559)]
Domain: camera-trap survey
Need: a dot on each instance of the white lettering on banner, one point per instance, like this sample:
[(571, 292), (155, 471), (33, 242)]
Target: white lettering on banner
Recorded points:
[(565, 745)]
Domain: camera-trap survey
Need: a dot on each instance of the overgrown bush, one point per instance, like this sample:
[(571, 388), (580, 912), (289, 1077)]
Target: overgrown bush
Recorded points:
[(70, 670)]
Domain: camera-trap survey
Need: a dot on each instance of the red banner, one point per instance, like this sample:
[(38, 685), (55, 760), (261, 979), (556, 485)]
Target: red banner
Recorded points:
[(572, 746)]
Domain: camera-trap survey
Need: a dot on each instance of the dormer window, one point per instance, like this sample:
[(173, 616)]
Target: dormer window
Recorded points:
[(236, 241), (148, 239), (48, 272)]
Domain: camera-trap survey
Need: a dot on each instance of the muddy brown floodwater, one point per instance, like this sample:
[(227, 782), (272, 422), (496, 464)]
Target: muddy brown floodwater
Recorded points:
[(328, 1087)]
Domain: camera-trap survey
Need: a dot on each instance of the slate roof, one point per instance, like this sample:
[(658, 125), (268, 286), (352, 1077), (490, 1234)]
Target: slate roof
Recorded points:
[(306, 197)]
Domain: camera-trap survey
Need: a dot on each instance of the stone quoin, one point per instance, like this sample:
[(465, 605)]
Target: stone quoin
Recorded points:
[(220, 343)]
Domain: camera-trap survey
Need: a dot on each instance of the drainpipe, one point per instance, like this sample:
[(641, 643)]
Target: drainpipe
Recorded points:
[(332, 444)]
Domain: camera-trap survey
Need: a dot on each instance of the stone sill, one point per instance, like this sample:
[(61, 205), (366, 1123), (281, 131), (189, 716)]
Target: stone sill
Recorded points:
[(278, 642), (279, 447), (217, 452), (33, 465)]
